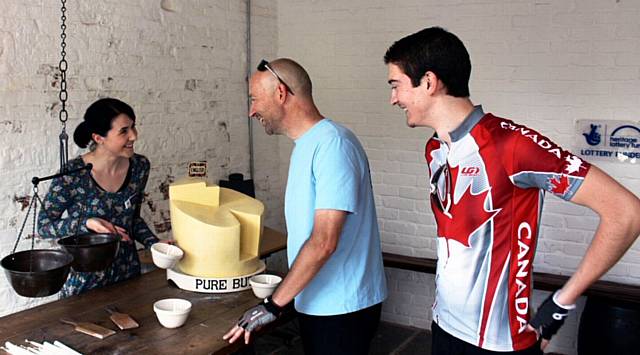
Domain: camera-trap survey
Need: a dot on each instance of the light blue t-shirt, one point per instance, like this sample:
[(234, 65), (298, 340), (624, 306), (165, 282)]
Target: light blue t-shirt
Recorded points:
[(329, 170)]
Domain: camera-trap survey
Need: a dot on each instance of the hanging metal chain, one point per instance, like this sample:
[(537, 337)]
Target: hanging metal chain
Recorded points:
[(32, 207), (64, 115), (36, 198)]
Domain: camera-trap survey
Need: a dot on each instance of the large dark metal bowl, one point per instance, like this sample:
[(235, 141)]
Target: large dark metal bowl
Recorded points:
[(91, 251), (38, 272)]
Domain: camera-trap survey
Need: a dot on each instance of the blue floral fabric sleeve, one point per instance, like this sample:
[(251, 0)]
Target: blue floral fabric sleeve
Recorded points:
[(141, 231), (59, 199)]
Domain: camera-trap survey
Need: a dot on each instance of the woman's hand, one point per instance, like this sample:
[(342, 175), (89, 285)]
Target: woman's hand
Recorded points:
[(99, 225)]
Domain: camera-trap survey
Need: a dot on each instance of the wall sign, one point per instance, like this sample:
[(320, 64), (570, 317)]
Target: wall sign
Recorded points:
[(608, 140)]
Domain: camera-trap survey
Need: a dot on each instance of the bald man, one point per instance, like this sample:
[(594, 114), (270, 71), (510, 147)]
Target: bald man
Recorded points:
[(335, 274)]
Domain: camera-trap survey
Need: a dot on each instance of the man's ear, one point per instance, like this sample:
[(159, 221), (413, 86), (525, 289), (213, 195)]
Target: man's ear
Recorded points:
[(427, 80), (282, 92)]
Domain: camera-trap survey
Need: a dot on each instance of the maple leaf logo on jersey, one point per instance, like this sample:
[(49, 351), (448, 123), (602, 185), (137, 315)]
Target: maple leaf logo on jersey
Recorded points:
[(467, 215), (559, 185), (575, 164)]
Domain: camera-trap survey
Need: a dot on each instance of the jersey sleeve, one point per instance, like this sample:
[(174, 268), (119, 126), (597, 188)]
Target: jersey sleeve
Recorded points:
[(534, 161), (336, 170)]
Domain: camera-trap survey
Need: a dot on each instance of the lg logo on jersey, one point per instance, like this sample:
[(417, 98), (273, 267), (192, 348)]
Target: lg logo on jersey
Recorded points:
[(470, 171)]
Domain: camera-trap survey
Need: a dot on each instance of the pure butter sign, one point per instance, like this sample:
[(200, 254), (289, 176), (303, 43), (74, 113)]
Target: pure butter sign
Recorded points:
[(609, 140)]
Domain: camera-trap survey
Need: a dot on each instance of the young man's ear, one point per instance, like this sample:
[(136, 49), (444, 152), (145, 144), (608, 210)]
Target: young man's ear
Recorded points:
[(427, 79), (430, 80)]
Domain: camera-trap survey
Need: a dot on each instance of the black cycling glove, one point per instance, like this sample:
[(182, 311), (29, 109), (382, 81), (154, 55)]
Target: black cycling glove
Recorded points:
[(550, 316), (260, 315)]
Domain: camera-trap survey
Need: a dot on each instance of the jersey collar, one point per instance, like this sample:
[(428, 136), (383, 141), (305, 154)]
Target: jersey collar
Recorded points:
[(467, 125)]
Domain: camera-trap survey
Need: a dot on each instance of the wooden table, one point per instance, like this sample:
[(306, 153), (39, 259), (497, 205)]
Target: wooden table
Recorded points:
[(211, 316)]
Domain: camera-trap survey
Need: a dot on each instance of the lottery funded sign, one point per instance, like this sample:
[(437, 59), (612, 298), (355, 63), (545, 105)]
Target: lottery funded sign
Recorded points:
[(608, 140)]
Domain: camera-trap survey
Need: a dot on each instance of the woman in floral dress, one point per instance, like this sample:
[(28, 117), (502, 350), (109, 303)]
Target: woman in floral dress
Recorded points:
[(105, 200)]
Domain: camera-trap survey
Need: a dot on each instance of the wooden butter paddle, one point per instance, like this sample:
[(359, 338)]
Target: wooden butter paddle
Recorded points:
[(122, 320), (94, 330)]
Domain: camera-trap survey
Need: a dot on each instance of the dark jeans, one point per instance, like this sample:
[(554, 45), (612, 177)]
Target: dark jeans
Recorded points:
[(443, 343), (348, 334)]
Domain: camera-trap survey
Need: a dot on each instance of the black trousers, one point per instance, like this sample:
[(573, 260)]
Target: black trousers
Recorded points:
[(443, 343), (348, 334)]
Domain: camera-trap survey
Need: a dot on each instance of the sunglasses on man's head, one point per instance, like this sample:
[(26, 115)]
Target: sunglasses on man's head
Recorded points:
[(264, 65)]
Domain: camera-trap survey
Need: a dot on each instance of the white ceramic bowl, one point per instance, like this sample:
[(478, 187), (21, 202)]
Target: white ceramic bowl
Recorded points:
[(165, 256), (172, 312), (263, 285)]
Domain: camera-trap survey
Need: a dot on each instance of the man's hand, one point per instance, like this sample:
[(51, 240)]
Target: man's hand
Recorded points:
[(254, 318), (549, 318)]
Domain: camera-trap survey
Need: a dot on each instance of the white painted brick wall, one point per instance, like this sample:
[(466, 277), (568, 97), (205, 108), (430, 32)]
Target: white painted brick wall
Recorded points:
[(183, 71), (268, 169), (542, 63)]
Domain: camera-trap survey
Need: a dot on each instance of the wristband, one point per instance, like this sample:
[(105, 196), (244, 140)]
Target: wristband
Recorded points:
[(567, 307), (272, 307)]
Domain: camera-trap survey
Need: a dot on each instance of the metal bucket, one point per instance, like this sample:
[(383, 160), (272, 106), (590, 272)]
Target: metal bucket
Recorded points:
[(91, 251), (38, 272)]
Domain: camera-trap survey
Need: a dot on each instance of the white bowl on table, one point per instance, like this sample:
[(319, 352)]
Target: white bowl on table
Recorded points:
[(165, 256), (263, 285), (172, 312)]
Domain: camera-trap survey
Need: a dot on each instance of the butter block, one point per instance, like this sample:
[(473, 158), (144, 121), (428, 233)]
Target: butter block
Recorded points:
[(219, 229)]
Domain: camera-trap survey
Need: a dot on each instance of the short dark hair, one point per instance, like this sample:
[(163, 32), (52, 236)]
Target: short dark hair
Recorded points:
[(436, 50), (98, 119)]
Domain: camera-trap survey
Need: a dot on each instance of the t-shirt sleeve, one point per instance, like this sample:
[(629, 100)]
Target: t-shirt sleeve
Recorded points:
[(537, 162), (336, 170)]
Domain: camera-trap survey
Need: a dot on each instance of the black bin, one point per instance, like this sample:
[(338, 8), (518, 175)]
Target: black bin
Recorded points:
[(609, 326), (238, 183)]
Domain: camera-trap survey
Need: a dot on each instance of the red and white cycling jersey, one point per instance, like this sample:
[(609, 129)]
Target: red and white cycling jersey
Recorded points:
[(487, 192)]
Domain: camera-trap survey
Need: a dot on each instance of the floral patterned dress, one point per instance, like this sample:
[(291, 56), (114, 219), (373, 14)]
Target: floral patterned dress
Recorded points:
[(82, 198)]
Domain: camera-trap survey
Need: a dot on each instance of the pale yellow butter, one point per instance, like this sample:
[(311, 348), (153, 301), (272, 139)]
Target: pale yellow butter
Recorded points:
[(219, 229)]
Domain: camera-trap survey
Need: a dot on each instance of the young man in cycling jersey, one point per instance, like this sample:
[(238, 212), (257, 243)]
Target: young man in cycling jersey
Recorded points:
[(488, 176)]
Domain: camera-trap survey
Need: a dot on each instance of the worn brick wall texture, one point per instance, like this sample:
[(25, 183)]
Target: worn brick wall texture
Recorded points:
[(267, 160), (543, 63), (181, 65)]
